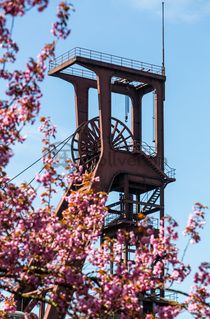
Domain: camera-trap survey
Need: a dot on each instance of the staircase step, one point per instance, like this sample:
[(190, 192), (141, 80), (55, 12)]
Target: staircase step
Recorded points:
[(152, 200)]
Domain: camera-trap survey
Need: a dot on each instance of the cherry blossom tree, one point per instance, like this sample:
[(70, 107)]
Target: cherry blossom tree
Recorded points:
[(57, 259)]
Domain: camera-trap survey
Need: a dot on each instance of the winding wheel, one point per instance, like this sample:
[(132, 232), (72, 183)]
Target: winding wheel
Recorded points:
[(86, 142)]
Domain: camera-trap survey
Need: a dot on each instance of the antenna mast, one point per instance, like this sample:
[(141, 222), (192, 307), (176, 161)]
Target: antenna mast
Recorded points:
[(163, 37)]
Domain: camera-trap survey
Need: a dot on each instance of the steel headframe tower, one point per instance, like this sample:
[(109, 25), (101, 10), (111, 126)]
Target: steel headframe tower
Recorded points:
[(109, 149)]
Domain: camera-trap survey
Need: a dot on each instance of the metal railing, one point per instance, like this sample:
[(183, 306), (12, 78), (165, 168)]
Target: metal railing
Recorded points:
[(169, 171), (151, 221), (107, 58), (114, 219), (147, 149), (81, 73), (117, 213), (152, 152), (173, 296), (111, 218)]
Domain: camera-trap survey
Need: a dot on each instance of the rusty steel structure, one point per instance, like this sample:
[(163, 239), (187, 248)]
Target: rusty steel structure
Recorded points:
[(108, 148)]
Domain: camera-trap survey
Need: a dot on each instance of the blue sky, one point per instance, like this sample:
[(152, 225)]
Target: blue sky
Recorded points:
[(132, 28)]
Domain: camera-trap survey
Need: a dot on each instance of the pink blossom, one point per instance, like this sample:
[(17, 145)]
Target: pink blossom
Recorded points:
[(196, 221)]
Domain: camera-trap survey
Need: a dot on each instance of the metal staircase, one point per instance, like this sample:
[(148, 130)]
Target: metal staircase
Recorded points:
[(149, 206)]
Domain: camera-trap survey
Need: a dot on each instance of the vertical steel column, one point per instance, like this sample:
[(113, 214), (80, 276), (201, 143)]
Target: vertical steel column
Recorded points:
[(137, 117), (81, 102), (159, 123), (104, 96)]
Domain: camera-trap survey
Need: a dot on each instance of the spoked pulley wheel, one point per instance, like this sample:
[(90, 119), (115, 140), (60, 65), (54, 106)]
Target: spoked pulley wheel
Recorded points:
[(121, 137), (86, 142)]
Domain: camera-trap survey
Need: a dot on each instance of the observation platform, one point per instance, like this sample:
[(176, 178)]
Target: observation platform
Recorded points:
[(81, 56)]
